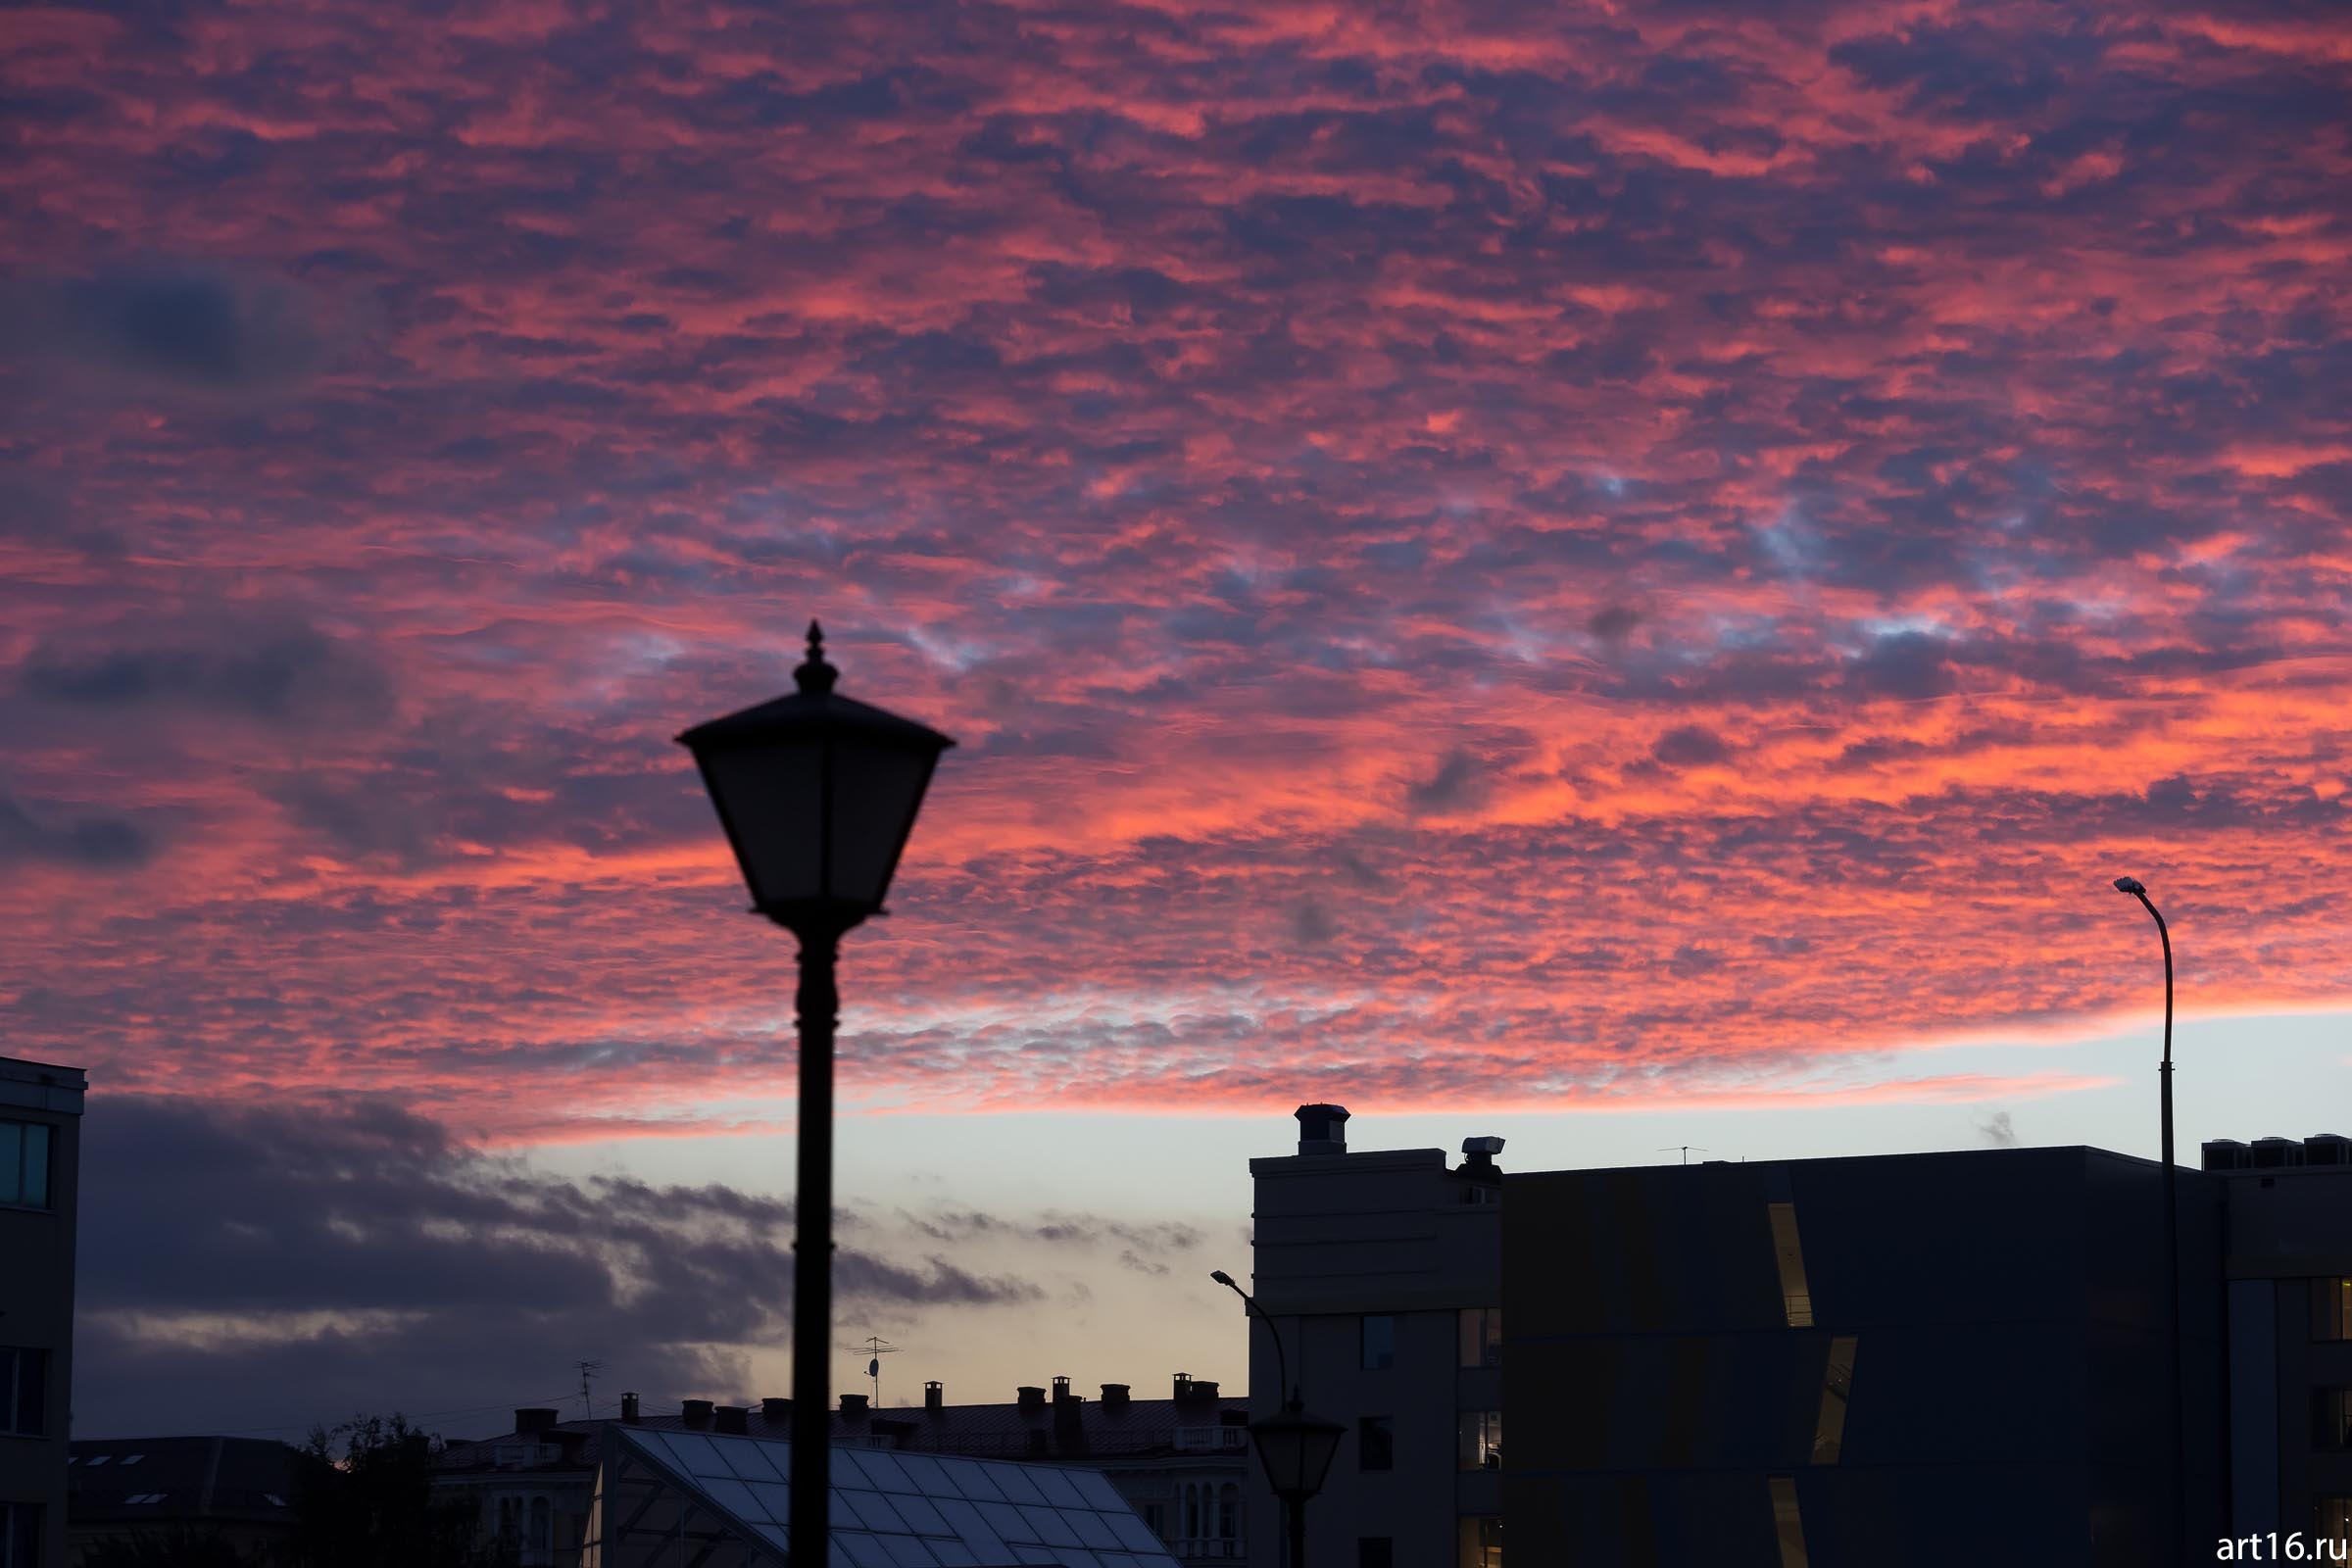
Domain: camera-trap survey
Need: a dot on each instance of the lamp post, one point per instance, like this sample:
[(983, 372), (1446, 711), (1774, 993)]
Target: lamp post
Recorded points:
[(1293, 1447), (817, 793), (2172, 1219)]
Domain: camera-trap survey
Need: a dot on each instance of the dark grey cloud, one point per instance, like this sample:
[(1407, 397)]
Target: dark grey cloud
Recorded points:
[(1459, 783), (189, 327), (438, 1273), (92, 842), (1690, 745), (276, 670)]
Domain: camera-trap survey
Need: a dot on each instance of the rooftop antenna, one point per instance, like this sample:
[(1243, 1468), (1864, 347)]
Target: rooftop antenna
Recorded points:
[(876, 1347), (1685, 1147), (588, 1370)]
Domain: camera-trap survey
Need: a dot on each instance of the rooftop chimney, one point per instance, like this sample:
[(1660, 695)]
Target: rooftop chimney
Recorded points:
[(934, 1396), (853, 1405), (1322, 1129), (1478, 1155), (1031, 1399), (1115, 1395), (694, 1412), (533, 1419), (628, 1408), (773, 1409), (731, 1418), (1062, 1391), (1184, 1385), (1200, 1390)]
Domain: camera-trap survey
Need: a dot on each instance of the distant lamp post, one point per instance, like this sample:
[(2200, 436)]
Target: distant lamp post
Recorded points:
[(817, 793), (1293, 1447), (2171, 1217)]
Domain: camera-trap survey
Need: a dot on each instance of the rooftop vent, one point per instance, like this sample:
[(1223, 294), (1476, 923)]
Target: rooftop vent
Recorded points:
[(628, 1408), (2327, 1148), (2269, 1153), (1062, 1391), (934, 1396), (1031, 1399), (1478, 1155), (1199, 1389), (694, 1414), (853, 1405), (1322, 1129), (730, 1418), (1184, 1385), (1115, 1395), (773, 1408)]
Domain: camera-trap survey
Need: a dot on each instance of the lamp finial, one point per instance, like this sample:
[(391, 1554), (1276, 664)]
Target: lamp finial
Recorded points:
[(815, 678)]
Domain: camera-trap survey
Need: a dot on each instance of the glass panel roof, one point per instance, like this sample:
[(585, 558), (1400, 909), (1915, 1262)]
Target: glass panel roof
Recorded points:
[(916, 1510)]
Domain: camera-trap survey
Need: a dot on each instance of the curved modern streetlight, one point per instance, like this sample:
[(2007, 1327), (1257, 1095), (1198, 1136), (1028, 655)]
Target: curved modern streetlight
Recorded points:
[(2171, 1217), (1295, 1448), (817, 793)]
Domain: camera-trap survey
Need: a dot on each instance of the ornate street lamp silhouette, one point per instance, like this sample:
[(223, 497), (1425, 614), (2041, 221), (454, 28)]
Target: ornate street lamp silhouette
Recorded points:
[(2172, 1219), (1293, 1447), (817, 793)]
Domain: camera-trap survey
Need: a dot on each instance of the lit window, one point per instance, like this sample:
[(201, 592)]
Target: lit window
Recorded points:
[(1836, 1388), (1787, 1523), (1380, 1341), (1796, 1298), (25, 1165), (1480, 1445), (1481, 1541), (1375, 1442), (2332, 1308), (1481, 1336)]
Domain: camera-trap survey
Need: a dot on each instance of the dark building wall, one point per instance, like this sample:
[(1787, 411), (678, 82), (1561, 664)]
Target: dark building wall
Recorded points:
[(37, 1288), (2006, 1397)]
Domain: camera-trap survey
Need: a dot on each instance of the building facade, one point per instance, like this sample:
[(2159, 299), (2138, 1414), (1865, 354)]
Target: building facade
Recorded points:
[(1899, 1362), (1383, 1272), (40, 1162), (239, 1490)]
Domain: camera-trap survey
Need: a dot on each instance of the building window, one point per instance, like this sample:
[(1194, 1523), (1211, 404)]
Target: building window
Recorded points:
[(2332, 1308), (1787, 1524), (1836, 1388), (24, 1394), (25, 1165), (1229, 1512), (1155, 1519), (541, 1523), (1480, 1447), (1375, 1551), (1375, 1442), (1480, 1542), (20, 1535), (1481, 1336), (1380, 1341), (2331, 1418), (1796, 1298)]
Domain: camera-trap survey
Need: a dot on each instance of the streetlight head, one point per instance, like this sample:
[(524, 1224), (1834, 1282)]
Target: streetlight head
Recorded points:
[(1220, 1276), (2129, 884), (817, 793)]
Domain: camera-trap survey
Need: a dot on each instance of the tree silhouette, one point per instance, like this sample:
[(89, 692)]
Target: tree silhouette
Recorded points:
[(363, 1499)]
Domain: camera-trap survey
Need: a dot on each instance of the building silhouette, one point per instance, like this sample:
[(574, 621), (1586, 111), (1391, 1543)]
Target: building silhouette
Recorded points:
[(40, 1164), (1911, 1360), (239, 1490)]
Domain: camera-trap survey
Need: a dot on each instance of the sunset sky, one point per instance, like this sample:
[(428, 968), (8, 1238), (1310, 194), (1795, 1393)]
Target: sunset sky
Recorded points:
[(1624, 575)]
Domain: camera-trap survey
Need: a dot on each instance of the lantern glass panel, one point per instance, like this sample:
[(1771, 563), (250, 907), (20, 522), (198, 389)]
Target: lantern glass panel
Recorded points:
[(876, 790), (770, 795)]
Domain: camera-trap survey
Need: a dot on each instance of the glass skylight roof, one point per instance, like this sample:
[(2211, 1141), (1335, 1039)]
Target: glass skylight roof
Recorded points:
[(890, 1510)]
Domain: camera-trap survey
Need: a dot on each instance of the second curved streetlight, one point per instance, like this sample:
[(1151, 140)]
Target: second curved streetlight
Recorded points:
[(1295, 1448), (2133, 886)]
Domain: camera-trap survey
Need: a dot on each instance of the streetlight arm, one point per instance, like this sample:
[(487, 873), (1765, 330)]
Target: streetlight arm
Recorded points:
[(2165, 936), (1281, 1362)]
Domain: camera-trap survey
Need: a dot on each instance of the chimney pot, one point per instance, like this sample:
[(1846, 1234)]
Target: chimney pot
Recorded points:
[(628, 1408), (1322, 1129), (773, 1408), (1115, 1395), (934, 1396), (1200, 1389), (1062, 1391), (853, 1405), (696, 1413), (1184, 1385), (730, 1418), (534, 1419), (1030, 1398)]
